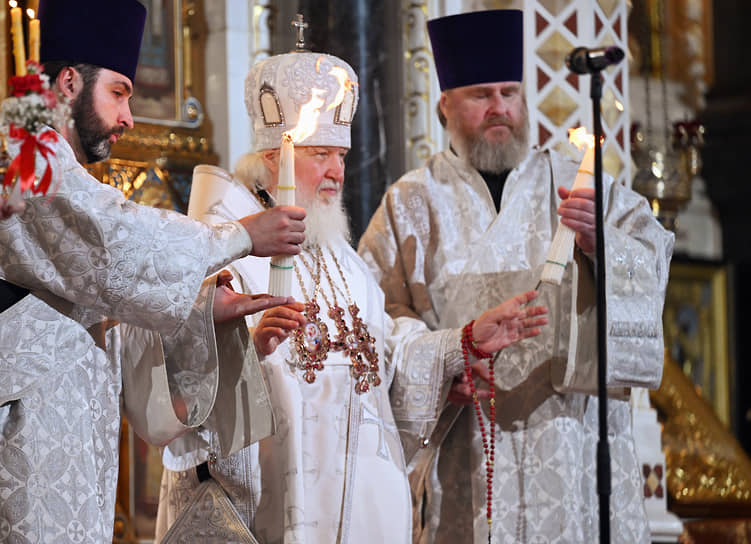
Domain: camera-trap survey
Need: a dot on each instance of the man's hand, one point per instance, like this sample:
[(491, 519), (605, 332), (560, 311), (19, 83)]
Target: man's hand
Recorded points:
[(278, 231), (509, 322), (461, 392), (275, 326), (230, 305), (497, 328), (577, 211)]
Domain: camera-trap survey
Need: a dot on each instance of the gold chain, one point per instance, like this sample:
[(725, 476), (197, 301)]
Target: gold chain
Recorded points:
[(316, 276), (339, 269), (319, 263)]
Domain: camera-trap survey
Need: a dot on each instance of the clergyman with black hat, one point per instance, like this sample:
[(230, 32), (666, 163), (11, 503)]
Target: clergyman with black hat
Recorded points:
[(471, 227), (86, 259), (334, 470)]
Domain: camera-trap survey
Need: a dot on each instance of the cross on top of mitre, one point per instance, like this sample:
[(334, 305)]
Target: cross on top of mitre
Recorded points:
[(300, 27)]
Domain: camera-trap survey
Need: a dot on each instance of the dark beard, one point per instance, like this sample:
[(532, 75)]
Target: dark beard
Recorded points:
[(93, 135)]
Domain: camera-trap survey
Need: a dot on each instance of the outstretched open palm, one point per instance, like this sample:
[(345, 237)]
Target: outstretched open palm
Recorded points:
[(509, 322), (229, 304)]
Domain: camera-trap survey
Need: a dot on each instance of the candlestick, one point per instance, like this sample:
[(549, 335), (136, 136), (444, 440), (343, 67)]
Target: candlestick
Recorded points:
[(34, 39), (562, 247), (280, 275), (16, 29)]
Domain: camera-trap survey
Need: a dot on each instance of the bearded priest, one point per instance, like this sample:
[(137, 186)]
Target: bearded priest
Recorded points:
[(474, 225), (104, 296), (334, 469)]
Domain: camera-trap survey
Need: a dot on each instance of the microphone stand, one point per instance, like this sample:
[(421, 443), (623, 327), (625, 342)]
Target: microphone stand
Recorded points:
[(603, 448), (592, 61)]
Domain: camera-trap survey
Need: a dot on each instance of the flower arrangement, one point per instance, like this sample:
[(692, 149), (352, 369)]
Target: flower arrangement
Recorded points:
[(26, 116), (31, 103)]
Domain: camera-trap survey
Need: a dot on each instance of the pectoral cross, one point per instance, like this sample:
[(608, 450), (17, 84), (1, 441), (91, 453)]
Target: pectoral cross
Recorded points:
[(300, 27)]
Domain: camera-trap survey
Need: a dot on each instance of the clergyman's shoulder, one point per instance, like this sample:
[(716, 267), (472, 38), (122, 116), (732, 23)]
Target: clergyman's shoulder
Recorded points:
[(433, 169)]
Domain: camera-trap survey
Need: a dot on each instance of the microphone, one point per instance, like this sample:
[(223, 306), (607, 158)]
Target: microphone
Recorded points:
[(587, 61)]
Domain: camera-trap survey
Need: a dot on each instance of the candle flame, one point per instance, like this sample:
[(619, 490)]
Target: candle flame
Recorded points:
[(580, 138), (30, 13), (311, 111), (13, 3), (309, 114), (345, 84)]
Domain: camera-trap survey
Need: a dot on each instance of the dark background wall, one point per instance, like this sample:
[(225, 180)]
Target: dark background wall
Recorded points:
[(728, 123)]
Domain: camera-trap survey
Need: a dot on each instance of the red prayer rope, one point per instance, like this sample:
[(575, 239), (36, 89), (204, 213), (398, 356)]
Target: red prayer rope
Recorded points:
[(468, 346)]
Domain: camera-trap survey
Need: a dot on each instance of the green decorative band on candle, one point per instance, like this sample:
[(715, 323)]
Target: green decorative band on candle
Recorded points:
[(563, 265), (281, 267)]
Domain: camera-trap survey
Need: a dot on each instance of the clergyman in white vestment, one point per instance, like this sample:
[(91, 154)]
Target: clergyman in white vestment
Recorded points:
[(334, 469), (90, 259), (474, 225)]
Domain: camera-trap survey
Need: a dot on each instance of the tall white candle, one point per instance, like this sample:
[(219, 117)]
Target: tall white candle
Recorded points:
[(285, 189), (280, 275), (562, 248)]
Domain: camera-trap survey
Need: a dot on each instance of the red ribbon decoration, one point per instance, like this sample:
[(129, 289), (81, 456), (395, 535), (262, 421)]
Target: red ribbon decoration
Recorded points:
[(23, 164)]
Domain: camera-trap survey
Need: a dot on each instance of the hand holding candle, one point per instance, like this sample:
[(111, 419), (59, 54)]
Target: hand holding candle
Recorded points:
[(562, 246)]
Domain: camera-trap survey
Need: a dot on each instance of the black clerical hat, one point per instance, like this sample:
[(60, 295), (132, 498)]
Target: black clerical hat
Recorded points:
[(105, 33), (478, 47)]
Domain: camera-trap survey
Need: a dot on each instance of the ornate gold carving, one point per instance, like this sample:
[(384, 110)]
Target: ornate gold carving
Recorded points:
[(708, 473), (138, 180), (148, 161), (154, 141)]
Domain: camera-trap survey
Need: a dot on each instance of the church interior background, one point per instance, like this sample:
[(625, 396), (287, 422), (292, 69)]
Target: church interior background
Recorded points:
[(677, 119)]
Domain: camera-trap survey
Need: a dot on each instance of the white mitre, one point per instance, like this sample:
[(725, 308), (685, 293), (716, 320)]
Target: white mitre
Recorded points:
[(277, 87)]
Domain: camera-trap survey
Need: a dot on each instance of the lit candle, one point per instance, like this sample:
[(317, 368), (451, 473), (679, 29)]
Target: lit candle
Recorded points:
[(280, 275), (33, 36), (562, 246), (285, 190), (16, 28)]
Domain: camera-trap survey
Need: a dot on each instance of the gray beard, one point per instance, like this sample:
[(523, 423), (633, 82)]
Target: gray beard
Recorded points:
[(325, 224), (495, 158)]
